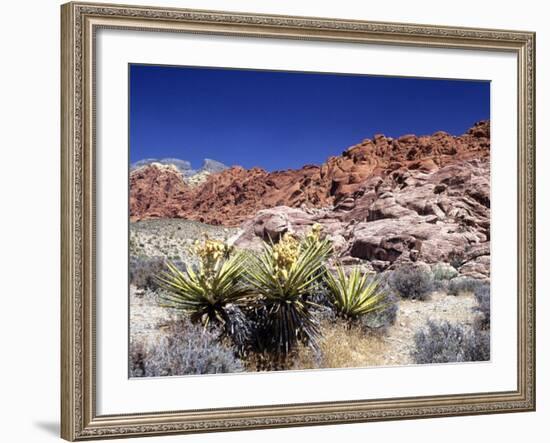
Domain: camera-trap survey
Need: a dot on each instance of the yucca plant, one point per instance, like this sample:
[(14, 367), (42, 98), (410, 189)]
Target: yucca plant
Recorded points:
[(282, 276), (210, 293), (354, 295)]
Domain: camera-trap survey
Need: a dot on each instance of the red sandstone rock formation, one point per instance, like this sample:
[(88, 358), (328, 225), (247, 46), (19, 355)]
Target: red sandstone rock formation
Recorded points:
[(236, 194), (156, 191)]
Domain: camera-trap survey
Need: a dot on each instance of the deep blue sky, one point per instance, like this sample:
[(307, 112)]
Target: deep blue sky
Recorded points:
[(281, 120)]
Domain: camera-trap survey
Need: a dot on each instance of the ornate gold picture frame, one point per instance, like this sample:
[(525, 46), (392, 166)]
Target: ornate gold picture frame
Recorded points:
[(80, 22)]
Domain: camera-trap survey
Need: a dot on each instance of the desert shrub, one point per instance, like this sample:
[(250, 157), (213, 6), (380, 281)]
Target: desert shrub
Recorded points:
[(483, 296), (463, 284), (282, 276), (381, 319), (210, 293), (356, 294), (143, 271), (441, 285), (185, 349), (442, 271), (444, 343), (385, 277), (412, 282)]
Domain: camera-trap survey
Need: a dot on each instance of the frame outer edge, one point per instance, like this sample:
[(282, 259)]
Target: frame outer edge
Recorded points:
[(532, 199), (527, 222), (68, 428), (78, 419)]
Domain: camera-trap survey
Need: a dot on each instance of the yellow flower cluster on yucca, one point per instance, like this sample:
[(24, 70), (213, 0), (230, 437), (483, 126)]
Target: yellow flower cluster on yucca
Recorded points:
[(314, 235), (210, 252), (285, 253)]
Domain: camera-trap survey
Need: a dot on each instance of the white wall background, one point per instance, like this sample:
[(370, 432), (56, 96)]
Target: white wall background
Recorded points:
[(29, 198)]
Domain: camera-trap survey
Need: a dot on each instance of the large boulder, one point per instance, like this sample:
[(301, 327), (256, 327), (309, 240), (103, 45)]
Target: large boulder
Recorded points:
[(271, 224)]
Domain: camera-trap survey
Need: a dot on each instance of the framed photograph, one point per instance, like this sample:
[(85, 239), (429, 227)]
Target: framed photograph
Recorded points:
[(277, 221)]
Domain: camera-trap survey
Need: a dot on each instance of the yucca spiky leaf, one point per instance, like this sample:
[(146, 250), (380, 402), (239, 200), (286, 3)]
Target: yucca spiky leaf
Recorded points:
[(205, 293), (356, 294), (282, 283)]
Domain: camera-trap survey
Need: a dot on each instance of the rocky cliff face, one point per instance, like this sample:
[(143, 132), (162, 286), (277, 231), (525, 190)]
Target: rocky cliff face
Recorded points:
[(233, 195), (382, 202), (153, 189), (432, 217), (158, 187)]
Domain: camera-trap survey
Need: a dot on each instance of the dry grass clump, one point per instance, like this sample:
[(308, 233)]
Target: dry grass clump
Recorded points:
[(343, 346)]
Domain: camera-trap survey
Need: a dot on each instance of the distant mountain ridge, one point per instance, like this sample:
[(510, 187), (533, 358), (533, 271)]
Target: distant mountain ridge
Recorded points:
[(209, 166)]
